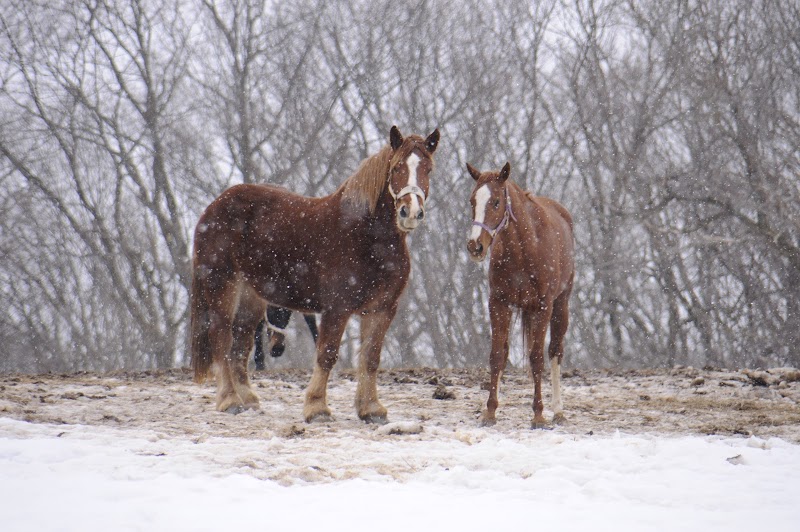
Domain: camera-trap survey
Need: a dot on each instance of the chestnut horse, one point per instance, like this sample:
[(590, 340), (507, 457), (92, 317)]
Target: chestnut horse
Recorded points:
[(337, 255), (531, 269)]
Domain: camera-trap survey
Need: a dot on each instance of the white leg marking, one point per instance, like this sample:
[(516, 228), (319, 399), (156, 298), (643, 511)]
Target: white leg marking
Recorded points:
[(555, 378), (482, 197)]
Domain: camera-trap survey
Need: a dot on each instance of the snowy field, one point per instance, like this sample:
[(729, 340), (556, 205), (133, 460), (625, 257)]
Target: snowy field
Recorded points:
[(654, 450)]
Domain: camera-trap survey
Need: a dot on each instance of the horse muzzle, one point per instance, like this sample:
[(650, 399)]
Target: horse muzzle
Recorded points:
[(477, 251), (409, 216)]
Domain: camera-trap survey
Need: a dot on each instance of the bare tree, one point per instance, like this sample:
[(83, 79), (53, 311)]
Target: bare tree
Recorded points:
[(670, 130), (99, 90)]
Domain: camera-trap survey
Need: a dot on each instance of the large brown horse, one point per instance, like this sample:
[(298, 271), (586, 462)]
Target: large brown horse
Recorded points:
[(531, 269), (338, 255)]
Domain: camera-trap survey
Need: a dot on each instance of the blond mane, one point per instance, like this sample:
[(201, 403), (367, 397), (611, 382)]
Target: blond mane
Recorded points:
[(365, 187)]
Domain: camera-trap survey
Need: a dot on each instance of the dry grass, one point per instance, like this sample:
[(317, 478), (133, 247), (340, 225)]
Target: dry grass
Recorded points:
[(683, 401)]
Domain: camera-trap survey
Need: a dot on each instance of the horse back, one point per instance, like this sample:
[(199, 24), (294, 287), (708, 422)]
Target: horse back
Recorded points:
[(299, 252), (234, 232), (554, 228)]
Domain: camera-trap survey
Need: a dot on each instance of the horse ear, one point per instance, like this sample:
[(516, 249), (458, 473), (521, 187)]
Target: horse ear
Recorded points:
[(432, 141), (395, 138), (505, 172), (476, 174)]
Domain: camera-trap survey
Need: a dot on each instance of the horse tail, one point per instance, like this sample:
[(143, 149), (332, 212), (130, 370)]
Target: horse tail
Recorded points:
[(200, 323)]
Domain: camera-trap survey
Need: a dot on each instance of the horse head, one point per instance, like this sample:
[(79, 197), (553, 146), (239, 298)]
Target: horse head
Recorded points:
[(409, 174), (491, 209)]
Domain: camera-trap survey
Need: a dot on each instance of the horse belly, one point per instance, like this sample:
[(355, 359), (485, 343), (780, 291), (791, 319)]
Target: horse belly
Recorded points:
[(518, 288), (287, 284), (368, 281)]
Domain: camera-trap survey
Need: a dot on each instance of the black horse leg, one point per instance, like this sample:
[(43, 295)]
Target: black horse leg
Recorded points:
[(311, 321), (259, 357), (278, 318)]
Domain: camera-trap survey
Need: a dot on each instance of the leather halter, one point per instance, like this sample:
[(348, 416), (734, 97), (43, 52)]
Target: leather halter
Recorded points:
[(406, 190), (507, 216)]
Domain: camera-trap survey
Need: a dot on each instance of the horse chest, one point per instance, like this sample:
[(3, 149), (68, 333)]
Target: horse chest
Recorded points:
[(355, 276), (383, 266), (517, 283)]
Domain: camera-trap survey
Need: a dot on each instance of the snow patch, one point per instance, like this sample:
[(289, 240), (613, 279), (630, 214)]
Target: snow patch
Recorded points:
[(400, 427)]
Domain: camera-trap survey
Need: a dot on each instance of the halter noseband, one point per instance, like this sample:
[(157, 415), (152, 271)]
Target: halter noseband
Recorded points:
[(507, 216), (406, 190)]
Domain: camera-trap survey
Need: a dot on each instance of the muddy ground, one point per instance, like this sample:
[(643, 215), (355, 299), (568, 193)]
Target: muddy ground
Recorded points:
[(680, 401)]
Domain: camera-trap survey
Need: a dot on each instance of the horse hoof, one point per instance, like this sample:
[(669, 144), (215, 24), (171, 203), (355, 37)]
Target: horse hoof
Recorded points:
[(488, 421), (277, 351), (322, 417), (375, 419), (540, 424), (559, 418)]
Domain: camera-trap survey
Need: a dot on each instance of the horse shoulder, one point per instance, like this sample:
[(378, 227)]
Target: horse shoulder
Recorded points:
[(551, 208)]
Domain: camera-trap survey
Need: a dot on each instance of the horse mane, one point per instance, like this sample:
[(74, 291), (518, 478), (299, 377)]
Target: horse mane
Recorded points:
[(365, 187)]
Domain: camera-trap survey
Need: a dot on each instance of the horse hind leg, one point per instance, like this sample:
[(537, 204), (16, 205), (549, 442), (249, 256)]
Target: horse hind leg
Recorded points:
[(558, 329), (535, 326), (234, 393)]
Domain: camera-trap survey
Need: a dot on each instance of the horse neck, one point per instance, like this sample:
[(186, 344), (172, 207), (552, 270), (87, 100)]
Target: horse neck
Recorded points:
[(512, 236), (384, 220), (380, 224)]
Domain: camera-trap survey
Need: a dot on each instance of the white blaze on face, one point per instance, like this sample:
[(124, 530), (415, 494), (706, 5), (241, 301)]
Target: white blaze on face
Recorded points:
[(413, 162), (482, 197)]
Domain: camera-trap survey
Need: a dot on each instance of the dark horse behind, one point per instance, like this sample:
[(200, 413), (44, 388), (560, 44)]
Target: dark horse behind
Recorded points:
[(276, 321), (338, 255)]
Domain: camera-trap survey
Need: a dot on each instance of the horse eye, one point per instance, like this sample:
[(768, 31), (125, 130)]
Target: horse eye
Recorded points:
[(496, 203)]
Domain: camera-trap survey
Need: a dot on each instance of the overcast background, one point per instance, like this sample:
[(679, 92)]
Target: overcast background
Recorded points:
[(670, 130)]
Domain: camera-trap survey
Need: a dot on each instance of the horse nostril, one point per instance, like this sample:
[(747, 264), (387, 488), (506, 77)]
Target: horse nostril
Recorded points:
[(420, 215), (479, 248), (403, 212)]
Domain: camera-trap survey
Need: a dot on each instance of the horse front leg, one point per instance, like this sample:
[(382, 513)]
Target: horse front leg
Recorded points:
[(330, 336), (373, 330), (500, 318)]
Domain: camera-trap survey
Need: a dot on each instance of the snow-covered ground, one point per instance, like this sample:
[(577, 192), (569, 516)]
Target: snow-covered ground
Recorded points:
[(692, 451)]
